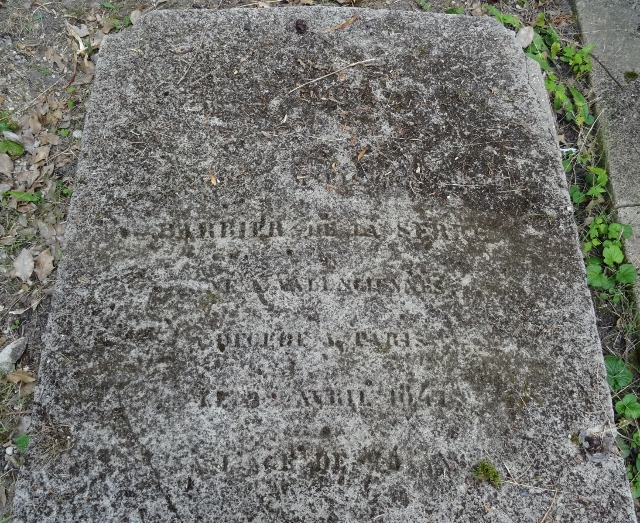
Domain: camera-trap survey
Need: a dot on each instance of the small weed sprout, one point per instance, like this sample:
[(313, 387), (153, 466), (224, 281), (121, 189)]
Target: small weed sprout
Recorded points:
[(485, 471), (629, 76)]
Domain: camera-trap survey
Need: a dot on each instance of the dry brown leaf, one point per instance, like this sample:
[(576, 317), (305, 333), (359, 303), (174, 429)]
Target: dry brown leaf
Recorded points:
[(46, 230), (20, 375), (6, 165), (106, 27), (23, 265), (49, 138), (28, 177), (341, 26), (43, 265), (80, 32), (59, 60), (34, 124), (363, 152), (97, 39), (40, 154), (83, 79), (47, 170), (29, 141), (26, 389)]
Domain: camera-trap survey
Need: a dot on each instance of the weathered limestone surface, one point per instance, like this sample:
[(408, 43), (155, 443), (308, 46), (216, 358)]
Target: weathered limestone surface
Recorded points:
[(382, 288)]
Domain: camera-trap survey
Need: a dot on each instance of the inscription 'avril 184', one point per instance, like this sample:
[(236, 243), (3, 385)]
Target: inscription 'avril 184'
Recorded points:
[(343, 349)]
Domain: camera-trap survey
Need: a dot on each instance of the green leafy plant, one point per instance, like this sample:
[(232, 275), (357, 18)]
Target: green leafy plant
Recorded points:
[(21, 442), (503, 18), (485, 471), (13, 149), (604, 239), (597, 180), (6, 123), (628, 409), (455, 11), (42, 69), (547, 51), (629, 76), (574, 104), (618, 376), (66, 191), (126, 21), (24, 196), (607, 272), (117, 23), (578, 59), (628, 406), (424, 5), (628, 450)]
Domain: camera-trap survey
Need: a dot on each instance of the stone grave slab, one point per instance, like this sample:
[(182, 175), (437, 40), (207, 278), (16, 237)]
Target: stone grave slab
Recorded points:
[(318, 275)]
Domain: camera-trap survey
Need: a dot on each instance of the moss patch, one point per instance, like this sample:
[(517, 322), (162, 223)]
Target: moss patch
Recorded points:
[(485, 471)]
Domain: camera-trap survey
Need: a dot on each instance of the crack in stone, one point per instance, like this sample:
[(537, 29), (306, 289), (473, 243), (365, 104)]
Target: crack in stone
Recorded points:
[(147, 454)]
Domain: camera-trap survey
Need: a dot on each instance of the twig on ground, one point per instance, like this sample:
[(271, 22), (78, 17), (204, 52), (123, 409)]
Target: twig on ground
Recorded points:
[(192, 61), (555, 495), (607, 70), (334, 72), (341, 26), (15, 412), (29, 104)]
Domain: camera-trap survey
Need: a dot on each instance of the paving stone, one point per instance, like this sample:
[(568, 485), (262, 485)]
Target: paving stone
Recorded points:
[(318, 275)]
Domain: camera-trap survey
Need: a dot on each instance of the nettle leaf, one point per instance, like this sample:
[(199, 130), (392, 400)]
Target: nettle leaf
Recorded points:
[(544, 65), (11, 148), (596, 278), (596, 190), (577, 96), (586, 49), (601, 175), (538, 44), (627, 231), (612, 255), (551, 37), (628, 406), (626, 274), (618, 376)]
